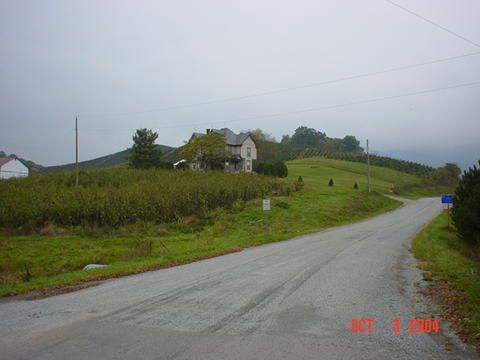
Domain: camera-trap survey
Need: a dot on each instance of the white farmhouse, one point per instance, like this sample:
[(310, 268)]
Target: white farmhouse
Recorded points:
[(240, 147), (12, 167)]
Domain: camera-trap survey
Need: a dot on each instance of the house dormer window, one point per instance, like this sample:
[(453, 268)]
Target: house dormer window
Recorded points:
[(249, 151)]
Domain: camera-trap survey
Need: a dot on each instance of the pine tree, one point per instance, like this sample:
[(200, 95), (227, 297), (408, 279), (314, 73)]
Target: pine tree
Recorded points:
[(145, 153), (466, 207)]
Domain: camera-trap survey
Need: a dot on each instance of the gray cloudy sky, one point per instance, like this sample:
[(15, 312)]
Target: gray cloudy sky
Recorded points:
[(119, 64)]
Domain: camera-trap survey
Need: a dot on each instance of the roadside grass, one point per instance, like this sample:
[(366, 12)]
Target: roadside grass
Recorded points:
[(445, 258), (41, 263)]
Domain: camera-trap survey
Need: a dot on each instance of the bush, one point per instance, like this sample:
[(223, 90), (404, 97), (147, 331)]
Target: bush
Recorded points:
[(278, 169), (330, 182), (466, 207), (121, 196), (355, 186)]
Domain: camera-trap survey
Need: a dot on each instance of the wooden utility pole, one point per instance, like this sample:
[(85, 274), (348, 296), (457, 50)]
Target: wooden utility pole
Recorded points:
[(76, 150), (368, 170)]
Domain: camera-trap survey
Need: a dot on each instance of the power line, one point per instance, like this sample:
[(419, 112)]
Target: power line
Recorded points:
[(433, 23), (293, 112), (361, 101), (293, 88)]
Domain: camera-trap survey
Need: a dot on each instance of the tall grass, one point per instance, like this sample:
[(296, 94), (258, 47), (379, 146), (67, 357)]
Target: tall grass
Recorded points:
[(115, 197)]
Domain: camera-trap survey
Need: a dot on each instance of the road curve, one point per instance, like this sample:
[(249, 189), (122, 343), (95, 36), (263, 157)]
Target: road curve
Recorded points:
[(289, 300)]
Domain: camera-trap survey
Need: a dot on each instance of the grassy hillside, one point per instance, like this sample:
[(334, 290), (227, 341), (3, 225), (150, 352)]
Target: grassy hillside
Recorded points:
[(346, 173), (173, 155), (117, 159)]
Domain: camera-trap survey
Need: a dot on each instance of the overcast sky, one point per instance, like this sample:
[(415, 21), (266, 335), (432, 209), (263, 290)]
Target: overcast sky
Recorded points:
[(122, 65)]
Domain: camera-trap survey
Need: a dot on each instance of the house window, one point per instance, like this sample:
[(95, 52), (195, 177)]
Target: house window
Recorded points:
[(249, 151), (248, 164)]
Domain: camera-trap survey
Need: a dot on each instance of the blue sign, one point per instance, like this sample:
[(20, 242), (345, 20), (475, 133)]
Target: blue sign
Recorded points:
[(447, 199)]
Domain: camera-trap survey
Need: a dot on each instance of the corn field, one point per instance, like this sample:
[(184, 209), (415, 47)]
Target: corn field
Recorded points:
[(115, 197)]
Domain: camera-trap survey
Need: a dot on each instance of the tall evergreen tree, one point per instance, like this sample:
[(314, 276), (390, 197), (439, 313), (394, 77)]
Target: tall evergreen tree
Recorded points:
[(466, 207), (145, 153)]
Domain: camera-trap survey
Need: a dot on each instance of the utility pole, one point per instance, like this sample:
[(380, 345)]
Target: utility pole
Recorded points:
[(76, 150), (368, 170)]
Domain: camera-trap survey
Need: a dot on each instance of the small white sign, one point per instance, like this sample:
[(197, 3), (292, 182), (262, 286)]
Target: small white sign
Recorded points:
[(266, 204)]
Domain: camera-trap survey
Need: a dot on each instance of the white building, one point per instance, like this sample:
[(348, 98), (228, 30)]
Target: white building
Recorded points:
[(12, 167)]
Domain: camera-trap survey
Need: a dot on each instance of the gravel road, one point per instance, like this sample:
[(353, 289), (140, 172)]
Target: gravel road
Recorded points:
[(289, 300)]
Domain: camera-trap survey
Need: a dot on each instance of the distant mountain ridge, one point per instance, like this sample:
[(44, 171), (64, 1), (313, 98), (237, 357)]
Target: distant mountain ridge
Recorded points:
[(118, 159)]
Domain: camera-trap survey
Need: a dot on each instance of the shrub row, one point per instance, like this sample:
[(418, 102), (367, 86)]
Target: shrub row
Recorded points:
[(115, 197)]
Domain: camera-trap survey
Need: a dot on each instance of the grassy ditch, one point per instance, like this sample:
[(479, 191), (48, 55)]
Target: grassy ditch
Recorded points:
[(455, 276)]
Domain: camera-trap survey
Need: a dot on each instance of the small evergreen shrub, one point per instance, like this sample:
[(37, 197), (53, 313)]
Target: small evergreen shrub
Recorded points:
[(298, 184)]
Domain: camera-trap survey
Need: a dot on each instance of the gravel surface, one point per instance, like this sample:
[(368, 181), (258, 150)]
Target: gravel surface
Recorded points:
[(289, 300)]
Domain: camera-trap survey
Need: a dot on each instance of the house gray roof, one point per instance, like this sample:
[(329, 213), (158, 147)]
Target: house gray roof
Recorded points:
[(230, 137)]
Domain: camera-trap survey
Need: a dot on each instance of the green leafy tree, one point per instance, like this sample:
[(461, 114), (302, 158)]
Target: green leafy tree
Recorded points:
[(466, 207), (260, 135), (447, 175), (268, 150), (209, 150), (330, 182), (145, 153), (355, 186), (351, 144), (307, 137), (285, 139)]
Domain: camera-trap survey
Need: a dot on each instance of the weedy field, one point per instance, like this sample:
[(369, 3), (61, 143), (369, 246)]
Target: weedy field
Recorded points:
[(115, 197), (34, 261)]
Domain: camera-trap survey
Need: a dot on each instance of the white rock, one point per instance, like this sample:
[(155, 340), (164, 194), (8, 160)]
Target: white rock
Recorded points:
[(94, 266)]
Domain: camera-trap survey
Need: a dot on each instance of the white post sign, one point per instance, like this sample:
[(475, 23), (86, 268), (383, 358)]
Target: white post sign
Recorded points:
[(266, 204)]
